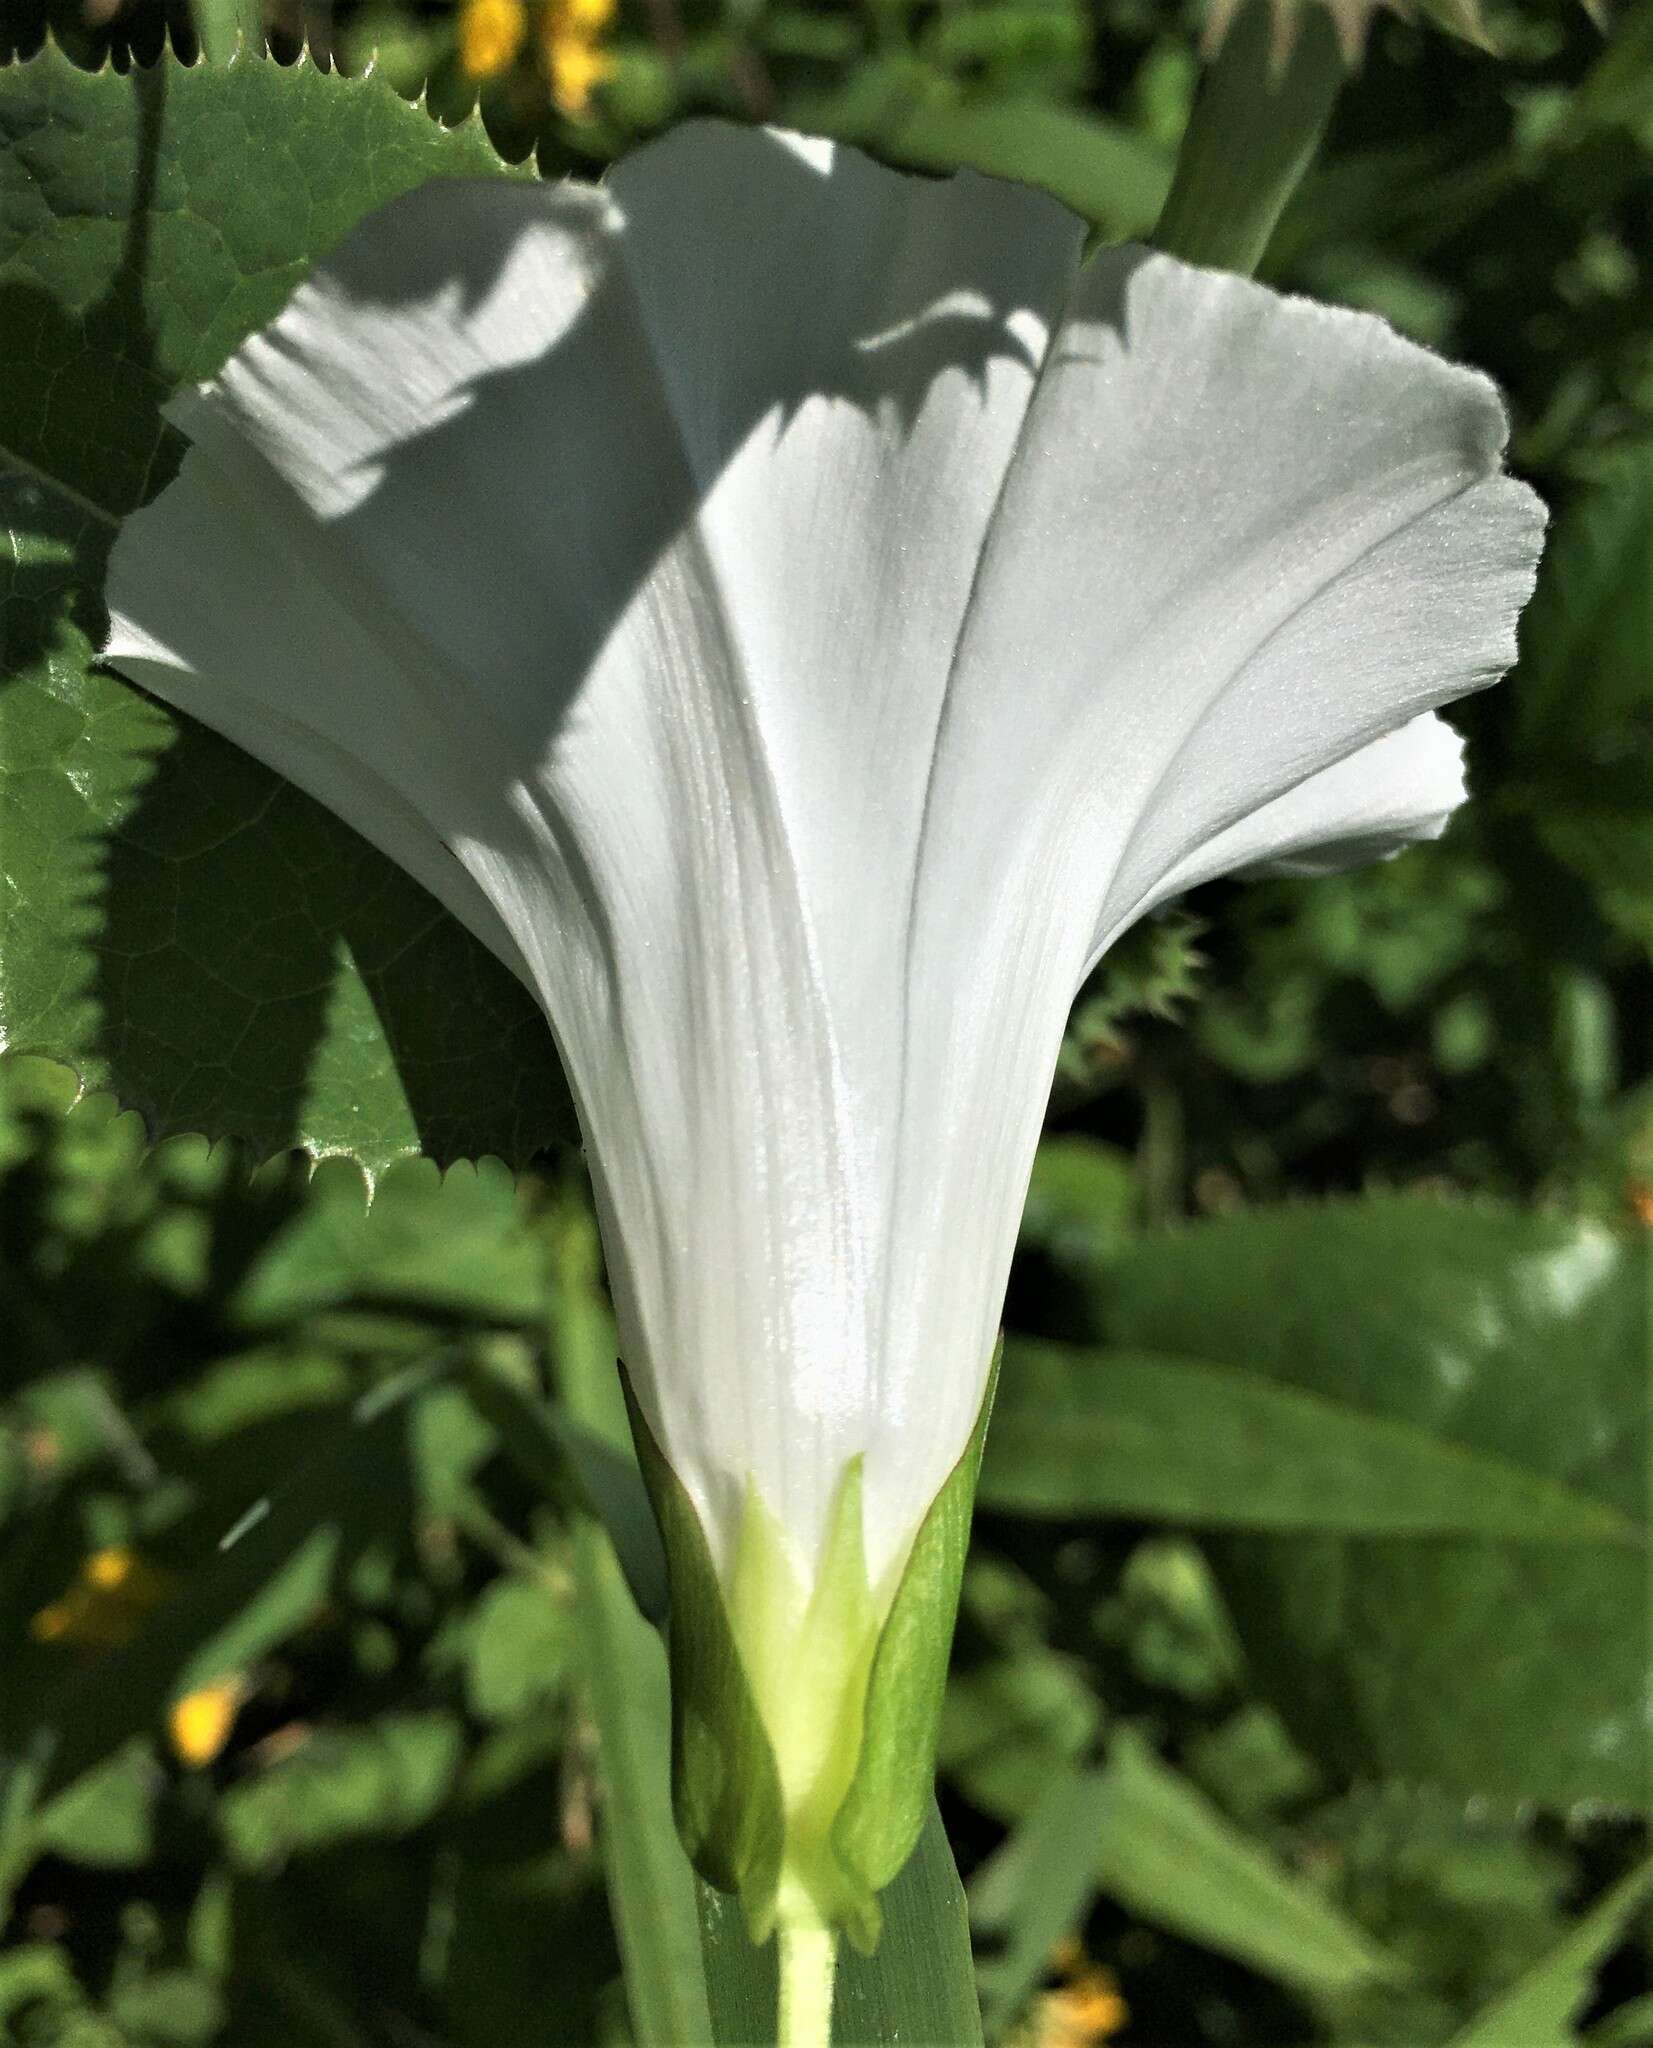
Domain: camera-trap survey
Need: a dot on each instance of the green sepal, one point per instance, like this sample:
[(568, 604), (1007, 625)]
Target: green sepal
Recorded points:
[(727, 1784), (726, 1790), (890, 1796)]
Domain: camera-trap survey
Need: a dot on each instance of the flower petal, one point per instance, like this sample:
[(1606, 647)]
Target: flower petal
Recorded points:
[(635, 568), (1243, 538), (1393, 793), (724, 594)]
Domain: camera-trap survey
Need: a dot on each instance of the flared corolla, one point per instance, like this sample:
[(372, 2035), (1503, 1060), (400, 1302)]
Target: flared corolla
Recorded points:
[(798, 615)]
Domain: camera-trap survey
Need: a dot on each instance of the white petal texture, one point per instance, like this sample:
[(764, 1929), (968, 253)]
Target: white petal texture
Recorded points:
[(798, 617)]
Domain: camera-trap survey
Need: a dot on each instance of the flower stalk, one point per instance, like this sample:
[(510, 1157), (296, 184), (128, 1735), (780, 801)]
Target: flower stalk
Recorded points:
[(1257, 122), (808, 1963)]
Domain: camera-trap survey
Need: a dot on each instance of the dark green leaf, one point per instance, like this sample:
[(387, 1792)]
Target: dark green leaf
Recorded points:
[(1490, 1665), (915, 1991), (1106, 173), (387, 1777), (1538, 2012), (178, 923), (1170, 1439)]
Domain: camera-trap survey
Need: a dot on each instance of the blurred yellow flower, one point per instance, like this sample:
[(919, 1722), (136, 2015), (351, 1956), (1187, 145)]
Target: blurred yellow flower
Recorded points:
[(575, 62), (1084, 2011), (491, 32), (112, 1592), (200, 1723)]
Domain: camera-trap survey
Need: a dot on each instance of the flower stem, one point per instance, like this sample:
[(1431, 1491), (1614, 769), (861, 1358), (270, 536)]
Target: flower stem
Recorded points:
[(1253, 133), (808, 1961)]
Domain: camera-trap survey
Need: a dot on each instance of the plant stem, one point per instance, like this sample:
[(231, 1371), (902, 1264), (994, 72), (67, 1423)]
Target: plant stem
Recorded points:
[(808, 1962), (225, 26), (1254, 130)]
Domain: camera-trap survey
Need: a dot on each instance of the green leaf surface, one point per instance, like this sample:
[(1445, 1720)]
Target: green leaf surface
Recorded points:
[(519, 1652), (651, 1884), (1171, 1439), (1035, 1889), (455, 1248), (385, 1778), (1167, 1855), (1104, 172), (1486, 1664), (107, 1819), (1539, 2010), (175, 921)]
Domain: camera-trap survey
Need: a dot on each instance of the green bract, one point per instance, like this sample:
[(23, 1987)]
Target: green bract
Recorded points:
[(805, 1723)]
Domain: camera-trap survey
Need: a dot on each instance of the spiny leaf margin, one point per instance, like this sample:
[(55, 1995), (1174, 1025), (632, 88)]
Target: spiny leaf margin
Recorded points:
[(179, 925)]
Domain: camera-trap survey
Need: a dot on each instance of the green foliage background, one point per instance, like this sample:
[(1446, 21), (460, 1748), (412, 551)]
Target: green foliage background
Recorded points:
[(1302, 1670)]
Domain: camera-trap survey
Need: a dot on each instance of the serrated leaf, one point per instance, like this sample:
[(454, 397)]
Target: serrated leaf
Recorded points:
[(1488, 1665), (175, 921)]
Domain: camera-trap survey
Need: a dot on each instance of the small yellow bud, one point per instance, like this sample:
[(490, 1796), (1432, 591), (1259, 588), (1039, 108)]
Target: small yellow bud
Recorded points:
[(112, 1592), (200, 1723), (491, 32), (577, 66), (1085, 2011), (586, 17), (108, 1569)]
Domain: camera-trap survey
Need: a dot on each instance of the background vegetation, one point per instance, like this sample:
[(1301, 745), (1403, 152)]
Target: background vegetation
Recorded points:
[(1299, 1693)]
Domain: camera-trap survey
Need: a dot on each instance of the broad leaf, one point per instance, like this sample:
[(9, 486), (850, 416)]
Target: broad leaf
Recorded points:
[(1497, 1664), (387, 1777), (1140, 1436), (175, 921), (917, 1987), (1107, 173)]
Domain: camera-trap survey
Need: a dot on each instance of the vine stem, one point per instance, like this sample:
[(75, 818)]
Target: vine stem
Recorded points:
[(1254, 131), (808, 1963)]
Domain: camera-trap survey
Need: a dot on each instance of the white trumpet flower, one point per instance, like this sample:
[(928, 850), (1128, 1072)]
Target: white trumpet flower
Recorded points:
[(798, 616)]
